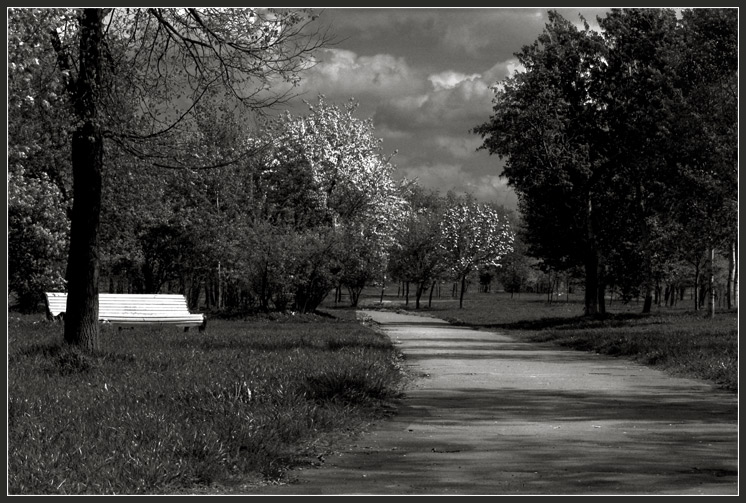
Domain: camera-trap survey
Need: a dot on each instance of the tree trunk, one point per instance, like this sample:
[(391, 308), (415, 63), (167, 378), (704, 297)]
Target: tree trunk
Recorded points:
[(354, 295), (696, 287), (729, 279), (591, 284), (712, 282), (418, 294), (194, 294), (735, 273), (648, 304), (463, 289), (601, 288), (591, 265), (81, 317)]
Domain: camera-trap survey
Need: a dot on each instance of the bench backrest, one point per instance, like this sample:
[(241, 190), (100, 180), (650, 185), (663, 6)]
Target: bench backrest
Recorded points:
[(113, 304)]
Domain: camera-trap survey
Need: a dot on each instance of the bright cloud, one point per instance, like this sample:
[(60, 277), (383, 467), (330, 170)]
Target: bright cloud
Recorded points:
[(346, 73), (459, 104), (450, 79)]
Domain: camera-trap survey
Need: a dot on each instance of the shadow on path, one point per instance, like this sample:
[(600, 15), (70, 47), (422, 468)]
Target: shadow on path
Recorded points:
[(491, 415)]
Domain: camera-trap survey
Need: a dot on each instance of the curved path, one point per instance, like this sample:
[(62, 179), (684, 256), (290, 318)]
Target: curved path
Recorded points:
[(490, 415)]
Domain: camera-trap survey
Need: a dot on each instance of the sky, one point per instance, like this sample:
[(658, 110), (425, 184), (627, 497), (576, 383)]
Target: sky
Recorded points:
[(423, 76)]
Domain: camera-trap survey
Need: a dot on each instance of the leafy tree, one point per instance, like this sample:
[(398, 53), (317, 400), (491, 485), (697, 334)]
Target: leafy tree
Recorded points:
[(516, 270), (630, 135), (134, 76), (37, 238), (362, 258), (39, 184), (637, 88), (705, 197), (547, 128), (326, 170), (337, 166), (473, 235), (417, 255)]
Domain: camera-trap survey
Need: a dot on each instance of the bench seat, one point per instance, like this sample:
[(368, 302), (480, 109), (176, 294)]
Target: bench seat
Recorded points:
[(134, 309)]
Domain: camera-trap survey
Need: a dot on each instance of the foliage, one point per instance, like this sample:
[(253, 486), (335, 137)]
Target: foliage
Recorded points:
[(610, 128), (546, 127), (417, 255), (37, 238), (138, 78), (515, 273), (326, 171), (473, 235)]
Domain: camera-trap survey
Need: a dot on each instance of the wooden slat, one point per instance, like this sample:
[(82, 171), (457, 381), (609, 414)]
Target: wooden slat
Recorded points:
[(169, 309)]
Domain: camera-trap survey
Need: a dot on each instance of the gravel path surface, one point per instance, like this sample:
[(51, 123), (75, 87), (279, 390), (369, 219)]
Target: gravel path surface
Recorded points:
[(490, 415)]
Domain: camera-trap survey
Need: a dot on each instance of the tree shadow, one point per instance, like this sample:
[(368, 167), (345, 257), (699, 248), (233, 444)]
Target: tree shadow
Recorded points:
[(608, 320)]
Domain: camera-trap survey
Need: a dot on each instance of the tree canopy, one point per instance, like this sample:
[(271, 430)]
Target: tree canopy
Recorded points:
[(607, 144)]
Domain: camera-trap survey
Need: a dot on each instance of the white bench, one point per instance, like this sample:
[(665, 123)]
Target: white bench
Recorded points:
[(125, 309)]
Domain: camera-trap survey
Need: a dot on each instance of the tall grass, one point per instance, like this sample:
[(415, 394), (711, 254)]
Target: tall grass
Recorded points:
[(162, 411), (678, 340)]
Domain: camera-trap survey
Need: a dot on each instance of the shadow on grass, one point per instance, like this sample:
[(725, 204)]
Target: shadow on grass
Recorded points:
[(565, 323)]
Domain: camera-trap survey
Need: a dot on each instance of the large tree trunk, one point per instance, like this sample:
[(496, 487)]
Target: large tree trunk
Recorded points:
[(81, 317), (648, 304), (591, 265)]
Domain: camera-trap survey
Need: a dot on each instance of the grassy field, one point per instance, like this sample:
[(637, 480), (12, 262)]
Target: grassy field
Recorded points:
[(678, 340), (161, 411)]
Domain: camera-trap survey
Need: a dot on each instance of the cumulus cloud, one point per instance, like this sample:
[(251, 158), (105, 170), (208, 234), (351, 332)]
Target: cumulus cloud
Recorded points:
[(453, 101), (344, 72), (450, 79), (459, 178), (474, 34), (427, 77), (459, 147)]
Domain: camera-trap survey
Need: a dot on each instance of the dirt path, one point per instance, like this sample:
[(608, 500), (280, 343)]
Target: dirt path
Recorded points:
[(490, 415)]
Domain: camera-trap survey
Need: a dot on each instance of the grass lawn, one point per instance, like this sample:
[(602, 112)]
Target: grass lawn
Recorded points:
[(678, 340), (161, 411)]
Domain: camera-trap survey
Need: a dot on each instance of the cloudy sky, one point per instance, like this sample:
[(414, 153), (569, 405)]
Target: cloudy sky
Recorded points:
[(424, 76)]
